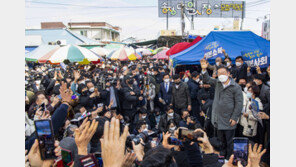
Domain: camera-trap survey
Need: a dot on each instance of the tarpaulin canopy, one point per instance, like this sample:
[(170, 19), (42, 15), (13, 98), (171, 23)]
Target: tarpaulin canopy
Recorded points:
[(234, 42), (182, 46)]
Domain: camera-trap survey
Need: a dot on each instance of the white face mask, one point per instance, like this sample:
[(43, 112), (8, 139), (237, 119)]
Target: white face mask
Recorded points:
[(227, 64), (249, 95), (245, 89), (92, 89), (124, 68), (217, 63), (143, 117), (173, 128), (223, 78), (268, 83), (238, 64), (197, 80), (171, 114), (38, 82), (82, 82), (121, 77), (167, 80), (186, 79)]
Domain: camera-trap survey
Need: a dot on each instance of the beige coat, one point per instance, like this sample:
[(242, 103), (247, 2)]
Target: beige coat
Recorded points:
[(250, 122)]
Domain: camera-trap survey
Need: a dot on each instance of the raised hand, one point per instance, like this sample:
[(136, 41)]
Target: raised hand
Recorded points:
[(165, 140), (82, 137), (139, 150), (65, 93), (255, 155), (205, 144), (113, 145), (76, 75), (35, 158)]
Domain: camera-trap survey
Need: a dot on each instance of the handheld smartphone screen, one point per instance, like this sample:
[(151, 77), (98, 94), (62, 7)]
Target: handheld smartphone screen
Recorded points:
[(67, 157), (45, 136), (98, 156), (240, 150)]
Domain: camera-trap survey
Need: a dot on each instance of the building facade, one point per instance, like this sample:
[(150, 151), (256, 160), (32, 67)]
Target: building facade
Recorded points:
[(99, 31)]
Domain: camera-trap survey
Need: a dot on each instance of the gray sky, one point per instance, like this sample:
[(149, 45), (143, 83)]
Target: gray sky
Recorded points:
[(141, 22)]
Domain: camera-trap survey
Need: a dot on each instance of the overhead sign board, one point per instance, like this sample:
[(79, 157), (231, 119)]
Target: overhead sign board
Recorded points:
[(201, 8)]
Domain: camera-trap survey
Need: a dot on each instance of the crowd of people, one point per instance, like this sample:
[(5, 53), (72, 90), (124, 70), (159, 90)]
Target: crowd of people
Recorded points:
[(131, 112)]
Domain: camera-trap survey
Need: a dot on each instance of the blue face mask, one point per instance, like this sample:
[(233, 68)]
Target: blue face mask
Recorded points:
[(249, 95), (186, 79)]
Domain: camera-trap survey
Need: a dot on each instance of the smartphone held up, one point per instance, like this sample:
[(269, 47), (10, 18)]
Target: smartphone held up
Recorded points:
[(45, 135), (240, 150)]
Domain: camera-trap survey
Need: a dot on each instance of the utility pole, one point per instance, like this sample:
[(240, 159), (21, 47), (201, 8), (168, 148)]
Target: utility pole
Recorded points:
[(167, 18), (243, 16), (182, 19), (192, 18)]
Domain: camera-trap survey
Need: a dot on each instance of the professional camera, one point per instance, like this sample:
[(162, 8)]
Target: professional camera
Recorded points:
[(136, 139)]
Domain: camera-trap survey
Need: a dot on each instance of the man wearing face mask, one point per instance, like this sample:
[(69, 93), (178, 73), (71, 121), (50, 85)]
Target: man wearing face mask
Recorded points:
[(218, 63), (193, 86), (240, 70), (155, 78), (87, 99), (131, 97), (180, 95), (142, 116), (228, 64), (227, 105), (165, 92), (164, 119)]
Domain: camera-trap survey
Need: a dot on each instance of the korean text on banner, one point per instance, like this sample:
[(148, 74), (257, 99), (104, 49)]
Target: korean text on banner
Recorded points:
[(213, 50), (256, 58)]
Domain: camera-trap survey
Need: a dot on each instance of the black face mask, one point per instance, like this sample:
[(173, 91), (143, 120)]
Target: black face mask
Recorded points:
[(242, 86)]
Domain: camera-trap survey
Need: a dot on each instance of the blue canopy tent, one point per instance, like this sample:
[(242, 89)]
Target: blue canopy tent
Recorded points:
[(232, 41)]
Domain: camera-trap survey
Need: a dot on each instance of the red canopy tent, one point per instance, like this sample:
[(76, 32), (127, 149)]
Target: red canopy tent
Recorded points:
[(182, 46)]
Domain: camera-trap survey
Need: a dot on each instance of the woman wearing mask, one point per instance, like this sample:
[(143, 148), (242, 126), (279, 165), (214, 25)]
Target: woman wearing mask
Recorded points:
[(172, 126), (248, 119)]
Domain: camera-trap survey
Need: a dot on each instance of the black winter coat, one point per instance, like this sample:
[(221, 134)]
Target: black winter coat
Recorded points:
[(163, 122)]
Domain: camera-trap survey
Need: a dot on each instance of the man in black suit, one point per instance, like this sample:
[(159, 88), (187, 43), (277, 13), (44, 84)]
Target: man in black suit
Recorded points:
[(132, 95), (165, 92), (240, 69)]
